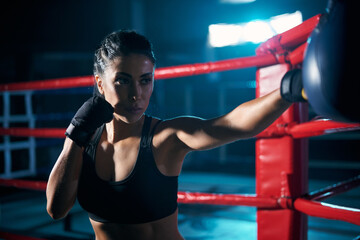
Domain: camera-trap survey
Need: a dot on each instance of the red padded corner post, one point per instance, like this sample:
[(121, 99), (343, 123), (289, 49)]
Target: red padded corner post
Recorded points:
[(281, 166)]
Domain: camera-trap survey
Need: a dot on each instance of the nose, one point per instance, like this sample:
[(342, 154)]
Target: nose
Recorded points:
[(134, 92)]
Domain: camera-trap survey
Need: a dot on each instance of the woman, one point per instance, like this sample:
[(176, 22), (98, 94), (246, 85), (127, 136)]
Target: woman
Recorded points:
[(123, 165)]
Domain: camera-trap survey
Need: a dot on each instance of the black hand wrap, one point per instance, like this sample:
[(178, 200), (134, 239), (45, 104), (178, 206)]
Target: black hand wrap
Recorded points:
[(291, 86), (91, 115)]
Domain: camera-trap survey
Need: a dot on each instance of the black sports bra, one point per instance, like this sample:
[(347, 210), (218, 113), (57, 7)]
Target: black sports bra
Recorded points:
[(145, 195)]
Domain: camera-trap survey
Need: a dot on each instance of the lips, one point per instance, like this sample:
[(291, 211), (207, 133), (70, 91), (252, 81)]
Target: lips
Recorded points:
[(134, 109)]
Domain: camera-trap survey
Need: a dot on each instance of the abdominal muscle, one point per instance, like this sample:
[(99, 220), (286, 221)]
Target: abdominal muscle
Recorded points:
[(165, 228)]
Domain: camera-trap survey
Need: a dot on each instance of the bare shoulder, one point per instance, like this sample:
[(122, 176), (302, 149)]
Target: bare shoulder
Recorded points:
[(168, 149), (182, 123), (167, 132)]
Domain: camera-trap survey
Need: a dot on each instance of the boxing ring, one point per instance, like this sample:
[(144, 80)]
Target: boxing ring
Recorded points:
[(282, 199)]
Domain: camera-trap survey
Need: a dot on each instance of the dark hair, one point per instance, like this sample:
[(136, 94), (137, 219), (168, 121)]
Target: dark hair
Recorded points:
[(120, 43)]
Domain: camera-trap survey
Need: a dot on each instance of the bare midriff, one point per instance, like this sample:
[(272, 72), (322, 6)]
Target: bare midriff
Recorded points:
[(165, 228)]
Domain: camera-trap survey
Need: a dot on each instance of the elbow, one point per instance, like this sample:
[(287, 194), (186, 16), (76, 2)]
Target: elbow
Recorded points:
[(57, 206), (55, 213)]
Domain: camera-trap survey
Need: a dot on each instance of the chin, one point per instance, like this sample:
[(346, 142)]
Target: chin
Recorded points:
[(130, 118)]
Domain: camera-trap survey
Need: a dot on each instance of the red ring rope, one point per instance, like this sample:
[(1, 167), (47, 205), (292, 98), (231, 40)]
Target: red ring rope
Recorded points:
[(294, 57), (34, 132), (49, 84), (24, 184), (160, 73), (308, 129), (329, 211), (227, 199)]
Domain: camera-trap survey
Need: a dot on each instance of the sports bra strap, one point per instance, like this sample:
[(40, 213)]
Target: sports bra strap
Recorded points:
[(145, 131), (147, 136), (150, 139)]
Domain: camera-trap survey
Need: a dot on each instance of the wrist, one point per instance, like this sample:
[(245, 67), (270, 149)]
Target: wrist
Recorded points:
[(291, 87), (78, 135)]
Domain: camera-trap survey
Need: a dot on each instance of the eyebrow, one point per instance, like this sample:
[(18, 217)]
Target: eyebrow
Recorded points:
[(130, 76)]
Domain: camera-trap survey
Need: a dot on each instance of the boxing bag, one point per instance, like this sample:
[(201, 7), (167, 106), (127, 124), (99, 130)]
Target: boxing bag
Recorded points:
[(329, 73)]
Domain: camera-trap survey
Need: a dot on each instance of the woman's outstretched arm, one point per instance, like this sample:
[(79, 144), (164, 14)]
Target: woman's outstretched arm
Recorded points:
[(245, 121)]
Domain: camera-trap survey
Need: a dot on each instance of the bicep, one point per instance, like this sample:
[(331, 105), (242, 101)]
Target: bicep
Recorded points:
[(203, 134)]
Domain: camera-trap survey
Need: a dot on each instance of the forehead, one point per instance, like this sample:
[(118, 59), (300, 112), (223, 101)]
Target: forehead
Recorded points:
[(133, 64)]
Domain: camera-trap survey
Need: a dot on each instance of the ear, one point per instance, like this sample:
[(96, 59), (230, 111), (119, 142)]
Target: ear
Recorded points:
[(99, 83)]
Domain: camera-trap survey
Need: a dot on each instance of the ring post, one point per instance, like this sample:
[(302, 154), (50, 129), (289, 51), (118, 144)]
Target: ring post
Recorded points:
[(281, 166)]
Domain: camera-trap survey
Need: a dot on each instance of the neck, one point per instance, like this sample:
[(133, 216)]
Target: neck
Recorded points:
[(118, 129)]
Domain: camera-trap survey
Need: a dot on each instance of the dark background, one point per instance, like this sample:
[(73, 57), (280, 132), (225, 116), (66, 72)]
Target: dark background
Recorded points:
[(54, 39)]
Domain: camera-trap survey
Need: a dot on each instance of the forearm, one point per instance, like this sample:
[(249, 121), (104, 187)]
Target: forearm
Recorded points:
[(63, 180), (251, 118)]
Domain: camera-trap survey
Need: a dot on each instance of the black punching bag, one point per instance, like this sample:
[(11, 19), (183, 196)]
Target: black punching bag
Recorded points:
[(330, 68)]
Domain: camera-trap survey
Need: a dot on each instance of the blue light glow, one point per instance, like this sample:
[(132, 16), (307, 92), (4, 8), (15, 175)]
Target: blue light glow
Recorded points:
[(221, 35), (257, 31)]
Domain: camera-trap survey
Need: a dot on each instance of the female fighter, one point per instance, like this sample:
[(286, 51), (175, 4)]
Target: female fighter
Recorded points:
[(123, 165)]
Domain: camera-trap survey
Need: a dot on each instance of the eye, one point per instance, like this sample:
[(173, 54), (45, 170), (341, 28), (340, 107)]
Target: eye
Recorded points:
[(121, 81), (145, 81)]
